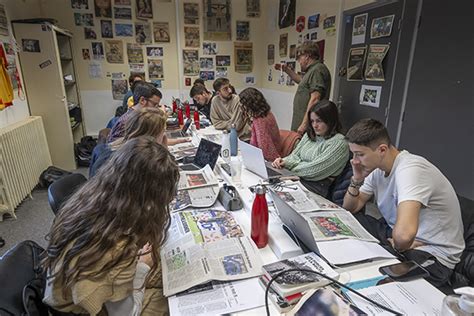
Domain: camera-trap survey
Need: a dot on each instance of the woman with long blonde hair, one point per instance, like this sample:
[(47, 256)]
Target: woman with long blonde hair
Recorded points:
[(103, 252)]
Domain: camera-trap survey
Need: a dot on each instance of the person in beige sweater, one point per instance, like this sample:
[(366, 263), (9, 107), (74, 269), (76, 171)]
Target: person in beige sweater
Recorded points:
[(226, 110), (103, 256)]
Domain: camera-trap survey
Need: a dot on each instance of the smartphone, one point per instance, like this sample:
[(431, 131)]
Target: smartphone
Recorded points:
[(404, 271)]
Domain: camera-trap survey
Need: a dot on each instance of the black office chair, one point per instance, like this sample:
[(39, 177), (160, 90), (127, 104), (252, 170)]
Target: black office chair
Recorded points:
[(60, 190)]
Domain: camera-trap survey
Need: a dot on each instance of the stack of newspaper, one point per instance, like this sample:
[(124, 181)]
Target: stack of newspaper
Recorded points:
[(203, 246)]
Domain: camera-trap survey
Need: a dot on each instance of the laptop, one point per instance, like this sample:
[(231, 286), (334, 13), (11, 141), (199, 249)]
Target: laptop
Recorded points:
[(206, 154), (182, 132), (252, 158)]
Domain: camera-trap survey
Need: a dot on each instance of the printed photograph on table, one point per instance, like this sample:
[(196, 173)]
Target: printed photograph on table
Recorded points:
[(191, 36), (221, 72), (123, 13), (154, 51), (355, 63), (359, 28), (313, 21), (191, 62), (144, 9), (271, 54), (191, 13), (97, 50), (286, 13), (243, 56), (370, 95), (331, 226), (89, 33), (283, 45), (103, 8), (161, 32), (243, 30), (83, 19), (30, 45), (135, 53), (206, 75), (253, 8), (209, 48), (124, 30), (155, 69), (114, 51), (86, 55), (119, 88), (375, 56), (217, 20), (106, 29), (123, 2), (142, 33), (223, 60), (207, 63), (80, 4), (234, 265)]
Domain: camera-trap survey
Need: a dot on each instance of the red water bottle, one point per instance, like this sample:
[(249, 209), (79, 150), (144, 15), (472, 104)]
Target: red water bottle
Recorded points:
[(259, 231), (188, 110), (180, 116), (196, 119), (174, 106)]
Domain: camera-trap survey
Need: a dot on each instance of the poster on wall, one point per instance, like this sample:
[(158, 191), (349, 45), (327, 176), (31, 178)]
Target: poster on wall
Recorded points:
[(154, 51), (124, 30), (161, 32), (375, 56), (217, 20), (137, 68), (223, 60), (206, 75), (122, 2), (106, 29), (243, 54), (103, 8), (134, 53), (243, 30), (119, 89), (142, 33), (97, 50), (114, 51), (95, 70), (123, 13), (286, 13), (313, 21), (382, 27), (283, 45), (30, 45), (221, 72), (155, 69), (271, 54), (89, 33), (292, 51), (209, 48), (191, 13), (144, 9), (355, 63), (300, 23), (207, 63), (359, 28), (191, 62), (321, 46), (80, 4), (191, 36), (249, 80), (83, 19), (253, 8), (329, 24), (86, 55), (370, 95)]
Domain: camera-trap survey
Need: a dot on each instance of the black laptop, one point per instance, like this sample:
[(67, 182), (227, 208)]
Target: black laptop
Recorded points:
[(182, 132), (207, 154)]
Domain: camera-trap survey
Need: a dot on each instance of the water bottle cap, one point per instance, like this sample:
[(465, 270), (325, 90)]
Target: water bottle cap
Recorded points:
[(466, 302), (232, 126), (260, 189)]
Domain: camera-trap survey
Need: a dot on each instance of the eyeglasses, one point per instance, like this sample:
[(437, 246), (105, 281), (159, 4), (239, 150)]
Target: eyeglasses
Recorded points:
[(154, 104)]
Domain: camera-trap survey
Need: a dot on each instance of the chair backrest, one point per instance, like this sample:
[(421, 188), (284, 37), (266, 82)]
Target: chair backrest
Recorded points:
[(60, 190), (289, 140)]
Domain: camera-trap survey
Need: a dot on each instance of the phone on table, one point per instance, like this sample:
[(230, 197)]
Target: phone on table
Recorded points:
[(404, 271)]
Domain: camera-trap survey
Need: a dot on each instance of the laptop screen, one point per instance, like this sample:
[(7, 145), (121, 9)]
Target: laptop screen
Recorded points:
[(207, 153)]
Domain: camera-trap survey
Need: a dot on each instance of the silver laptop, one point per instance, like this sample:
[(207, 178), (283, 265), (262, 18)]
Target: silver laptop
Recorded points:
[(252, 158), (182, 132)]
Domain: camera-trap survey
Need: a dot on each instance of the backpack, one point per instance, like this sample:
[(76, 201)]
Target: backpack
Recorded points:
[(50, 175), (83, 150)]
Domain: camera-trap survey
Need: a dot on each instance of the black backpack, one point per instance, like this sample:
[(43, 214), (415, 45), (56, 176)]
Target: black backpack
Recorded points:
[(50, 175), (83, 150)]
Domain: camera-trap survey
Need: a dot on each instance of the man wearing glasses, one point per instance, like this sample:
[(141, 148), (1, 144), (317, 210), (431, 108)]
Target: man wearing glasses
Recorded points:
[(226, 109), (315, 85)]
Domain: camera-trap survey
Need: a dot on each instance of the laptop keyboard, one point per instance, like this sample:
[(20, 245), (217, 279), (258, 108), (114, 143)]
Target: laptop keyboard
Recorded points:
[(272, 173)]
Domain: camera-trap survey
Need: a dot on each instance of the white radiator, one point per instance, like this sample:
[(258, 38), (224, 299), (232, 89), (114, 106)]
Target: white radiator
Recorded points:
[(24, 154)]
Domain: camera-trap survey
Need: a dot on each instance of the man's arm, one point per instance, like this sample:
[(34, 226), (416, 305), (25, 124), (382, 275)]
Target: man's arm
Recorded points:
[(406, 225), (354, 200), (315, 96), (293, 75)]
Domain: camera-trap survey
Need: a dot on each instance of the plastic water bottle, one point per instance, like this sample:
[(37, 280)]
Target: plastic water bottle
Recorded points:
[(233, 141), (459, 305), (259, 232), (225, 150)]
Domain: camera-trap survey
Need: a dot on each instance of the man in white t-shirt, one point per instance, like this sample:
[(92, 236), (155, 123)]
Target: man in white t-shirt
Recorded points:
[(421, 212)]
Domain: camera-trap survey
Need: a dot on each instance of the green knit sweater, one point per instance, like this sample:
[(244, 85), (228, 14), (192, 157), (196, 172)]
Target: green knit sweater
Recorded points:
[(319, 159)]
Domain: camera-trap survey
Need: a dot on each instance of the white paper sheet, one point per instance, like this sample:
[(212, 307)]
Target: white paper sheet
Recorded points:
[(351, 250)]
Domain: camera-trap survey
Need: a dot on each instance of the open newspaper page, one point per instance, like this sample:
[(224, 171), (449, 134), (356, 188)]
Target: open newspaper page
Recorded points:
[(203, 246), (197, 178), (330, 225), (200, 197)]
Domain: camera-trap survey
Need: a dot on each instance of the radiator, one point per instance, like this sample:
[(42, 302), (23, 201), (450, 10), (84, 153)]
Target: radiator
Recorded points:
[(24, 154)]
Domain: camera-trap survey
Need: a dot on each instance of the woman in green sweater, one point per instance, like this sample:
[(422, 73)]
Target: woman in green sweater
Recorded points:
[(322, 153)]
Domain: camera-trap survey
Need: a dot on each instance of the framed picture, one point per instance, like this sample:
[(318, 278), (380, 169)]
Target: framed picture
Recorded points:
[(382, 27), (370, 95)]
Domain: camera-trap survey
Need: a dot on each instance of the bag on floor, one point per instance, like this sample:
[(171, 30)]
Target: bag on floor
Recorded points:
[(50, 175), (83, 150)]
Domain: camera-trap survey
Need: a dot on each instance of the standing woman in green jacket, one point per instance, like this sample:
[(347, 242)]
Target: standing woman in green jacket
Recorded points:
[(322, 153)]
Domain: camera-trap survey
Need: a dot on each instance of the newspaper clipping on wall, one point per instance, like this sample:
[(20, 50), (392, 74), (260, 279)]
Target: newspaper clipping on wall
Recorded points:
[(355, 63), (217, 20), (375, 57), (243, 53)]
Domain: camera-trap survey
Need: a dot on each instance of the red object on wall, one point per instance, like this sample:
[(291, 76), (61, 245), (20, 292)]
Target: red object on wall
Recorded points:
[(187, 82), (300, 23)]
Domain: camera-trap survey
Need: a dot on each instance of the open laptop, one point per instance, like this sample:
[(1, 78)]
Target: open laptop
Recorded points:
[(253, 160), (182, 132), (206, 154)]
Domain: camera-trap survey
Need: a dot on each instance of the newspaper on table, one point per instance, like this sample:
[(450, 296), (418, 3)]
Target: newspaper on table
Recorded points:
[(200, 197), (197, 178), (216, 138), (182, 151), (203, 246)]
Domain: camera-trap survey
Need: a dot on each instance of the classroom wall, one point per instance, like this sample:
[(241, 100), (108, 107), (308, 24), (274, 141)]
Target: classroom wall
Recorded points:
[(16, 10)]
